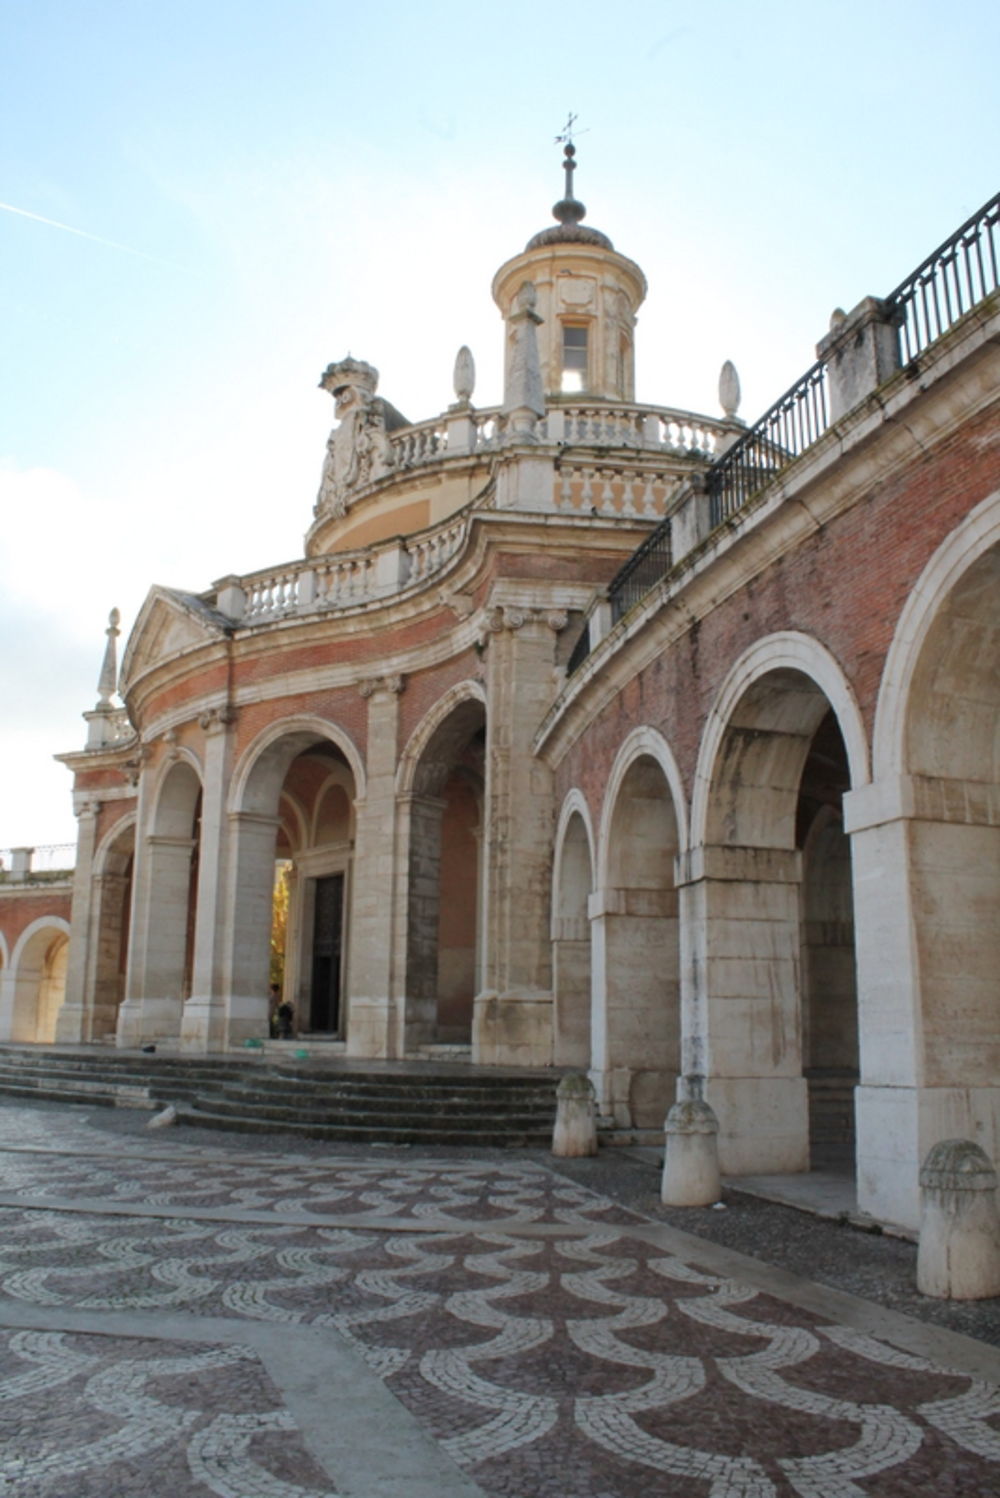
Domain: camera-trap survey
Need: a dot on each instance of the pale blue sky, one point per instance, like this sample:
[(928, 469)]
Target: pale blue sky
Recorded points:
[(279, 183)]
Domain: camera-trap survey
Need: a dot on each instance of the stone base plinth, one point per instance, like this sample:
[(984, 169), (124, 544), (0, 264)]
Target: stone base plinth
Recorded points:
[(512, 1029)]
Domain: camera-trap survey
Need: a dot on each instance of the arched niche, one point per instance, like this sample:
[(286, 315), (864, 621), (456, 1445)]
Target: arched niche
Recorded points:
[(443, 777), (573, 884)]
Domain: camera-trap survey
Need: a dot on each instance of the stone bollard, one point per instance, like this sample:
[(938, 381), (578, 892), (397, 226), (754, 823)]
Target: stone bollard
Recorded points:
[(575, 1131), (691, 1162), (958, 1257)]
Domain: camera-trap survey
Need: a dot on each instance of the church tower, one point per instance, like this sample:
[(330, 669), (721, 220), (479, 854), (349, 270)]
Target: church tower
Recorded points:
[(587, 297)]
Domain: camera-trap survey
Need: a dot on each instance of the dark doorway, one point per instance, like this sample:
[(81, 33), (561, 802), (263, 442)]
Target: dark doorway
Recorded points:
[(328, 926)]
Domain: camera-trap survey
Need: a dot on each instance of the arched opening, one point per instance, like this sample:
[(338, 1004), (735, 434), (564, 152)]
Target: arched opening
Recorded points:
[(779, 982), (113, 901), (571, 963), (295, 841), (641, 949), (444, 885), (829, 987), (39, 979), (952, 751)]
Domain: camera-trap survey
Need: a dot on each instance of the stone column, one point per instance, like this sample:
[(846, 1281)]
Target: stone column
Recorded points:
[(513, 1017), (422, 880), (373, 1027), (203, 1025), (741, 1021), (155, 977), (924, 854), (248, 916), (74, 1021)]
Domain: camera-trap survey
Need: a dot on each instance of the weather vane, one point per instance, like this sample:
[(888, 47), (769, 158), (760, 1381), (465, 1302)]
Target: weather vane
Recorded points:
[(565, 138)]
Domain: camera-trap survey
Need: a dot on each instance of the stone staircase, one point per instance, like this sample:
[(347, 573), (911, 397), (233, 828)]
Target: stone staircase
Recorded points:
[(421, 1103)]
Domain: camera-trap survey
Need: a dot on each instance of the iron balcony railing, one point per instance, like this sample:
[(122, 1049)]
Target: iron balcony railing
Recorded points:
[(644, 568), (791, 425), (960, 273)]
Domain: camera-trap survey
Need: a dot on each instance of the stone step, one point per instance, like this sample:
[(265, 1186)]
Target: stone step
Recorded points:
[(384, 1105), (500, 1135)]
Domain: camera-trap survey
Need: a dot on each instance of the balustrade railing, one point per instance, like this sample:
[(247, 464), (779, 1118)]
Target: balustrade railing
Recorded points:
[(336, 582), (42, 863), (612, 425), (949, 283)]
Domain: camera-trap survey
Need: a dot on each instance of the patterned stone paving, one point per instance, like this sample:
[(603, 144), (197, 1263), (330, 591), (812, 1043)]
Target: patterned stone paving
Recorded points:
[(582, 1361), (92, 1416)]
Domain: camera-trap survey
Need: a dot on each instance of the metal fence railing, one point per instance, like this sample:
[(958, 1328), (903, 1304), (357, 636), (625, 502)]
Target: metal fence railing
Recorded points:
[(646, 566), (948, 284), (791, 425)]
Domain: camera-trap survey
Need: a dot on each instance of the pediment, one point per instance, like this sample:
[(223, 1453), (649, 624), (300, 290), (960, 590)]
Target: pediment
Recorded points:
[(169, 624)]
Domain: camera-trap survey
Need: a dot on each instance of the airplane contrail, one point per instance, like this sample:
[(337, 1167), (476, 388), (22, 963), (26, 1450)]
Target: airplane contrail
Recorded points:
[(111, 243)]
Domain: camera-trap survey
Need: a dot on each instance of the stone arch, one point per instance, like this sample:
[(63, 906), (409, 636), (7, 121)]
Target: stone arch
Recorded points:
[(782, 745), (442, 724), (976, 536), (274, 803), (636, 933), (441, 785), (938, 749), (4, 953), (38, 979), (786, 651), (264, 763), (572, 886)]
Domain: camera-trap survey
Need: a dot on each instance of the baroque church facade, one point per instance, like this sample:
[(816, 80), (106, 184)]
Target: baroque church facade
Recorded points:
[(592, 734)]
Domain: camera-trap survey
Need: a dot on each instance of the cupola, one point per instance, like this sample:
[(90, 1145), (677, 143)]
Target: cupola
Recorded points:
[(586, 297)]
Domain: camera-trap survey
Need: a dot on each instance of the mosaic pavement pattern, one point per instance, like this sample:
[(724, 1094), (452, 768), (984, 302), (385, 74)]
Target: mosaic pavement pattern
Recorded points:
[(582, 1362)]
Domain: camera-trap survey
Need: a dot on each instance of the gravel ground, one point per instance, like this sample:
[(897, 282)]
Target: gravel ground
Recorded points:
[(873, 1266)]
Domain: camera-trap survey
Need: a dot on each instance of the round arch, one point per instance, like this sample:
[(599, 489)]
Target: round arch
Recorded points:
[(574, 804), (641, 743), (108, 849), (37, 976), (786, 651), (432, 723), (572, 969), (977, 534), (262, 767)]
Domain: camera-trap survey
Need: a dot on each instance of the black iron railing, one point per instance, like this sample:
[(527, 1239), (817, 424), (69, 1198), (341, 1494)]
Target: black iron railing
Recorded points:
[(949, 283), (580, 650), (644, 567), (960, 274), (791, 425)]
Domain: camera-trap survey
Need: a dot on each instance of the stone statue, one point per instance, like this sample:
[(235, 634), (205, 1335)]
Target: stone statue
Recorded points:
[(358, 450)]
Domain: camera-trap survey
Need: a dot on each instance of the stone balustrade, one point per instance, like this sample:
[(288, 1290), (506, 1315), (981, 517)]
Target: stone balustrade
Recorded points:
[(43, 864), (344, 580), (595, 487)]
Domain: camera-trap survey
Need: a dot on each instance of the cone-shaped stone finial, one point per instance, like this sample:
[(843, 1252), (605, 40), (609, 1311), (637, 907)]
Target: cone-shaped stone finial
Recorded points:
[(108, 680)]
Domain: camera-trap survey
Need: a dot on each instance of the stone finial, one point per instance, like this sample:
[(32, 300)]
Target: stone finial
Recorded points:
[(575, 1132), (108, 679), (691, 1162), (465, 375), (729, 389), (958, 1257), (837, 319)]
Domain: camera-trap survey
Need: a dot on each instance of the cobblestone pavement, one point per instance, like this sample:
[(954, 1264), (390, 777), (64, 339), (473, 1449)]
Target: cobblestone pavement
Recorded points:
[(187, 1316)]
